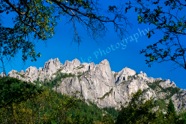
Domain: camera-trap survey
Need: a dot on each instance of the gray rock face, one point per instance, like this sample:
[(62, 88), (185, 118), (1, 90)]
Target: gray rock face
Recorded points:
[(32, 73), (179, 100), (97, 83), (124, 74), (51, 67), (167, 84)]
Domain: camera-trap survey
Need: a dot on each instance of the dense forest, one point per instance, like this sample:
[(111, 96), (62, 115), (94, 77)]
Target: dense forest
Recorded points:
[(29, 103)]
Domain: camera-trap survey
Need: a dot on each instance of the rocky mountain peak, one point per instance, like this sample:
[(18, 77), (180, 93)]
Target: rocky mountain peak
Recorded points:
[(76, 62), (52, 65), (99, 84), (105, 62)]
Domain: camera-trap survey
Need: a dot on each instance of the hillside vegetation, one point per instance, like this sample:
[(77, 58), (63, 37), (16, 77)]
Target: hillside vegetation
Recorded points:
[(28, 103), (25, 103)]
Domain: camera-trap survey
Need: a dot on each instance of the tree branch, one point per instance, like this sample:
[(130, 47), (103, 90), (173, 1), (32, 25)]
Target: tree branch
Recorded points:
[(14, 8), (184, 60)]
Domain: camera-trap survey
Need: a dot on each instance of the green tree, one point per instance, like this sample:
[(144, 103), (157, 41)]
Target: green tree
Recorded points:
[(137, 112), (171, 113), (171, 108), (14, 91), (167, 19), (181, 118), (38, 18)]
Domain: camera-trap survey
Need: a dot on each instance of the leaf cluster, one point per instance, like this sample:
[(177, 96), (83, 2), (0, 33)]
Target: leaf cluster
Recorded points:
[(167, 20), (36, 20)]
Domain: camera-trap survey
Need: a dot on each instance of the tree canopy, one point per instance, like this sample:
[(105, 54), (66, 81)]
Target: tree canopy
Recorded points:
[(14, 91), (167, 17), (36, 20), (23, 103)]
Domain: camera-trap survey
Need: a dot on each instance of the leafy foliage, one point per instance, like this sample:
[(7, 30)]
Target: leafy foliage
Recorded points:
[(172, 90), (136, 112), (167, 17), (171, 112), (57, 80), (155, 84), (36, 20), (182, 118), (112, 111), (169, 90), (24, 102), (48, 107), (161, 103), (14, 91), (170, 108)]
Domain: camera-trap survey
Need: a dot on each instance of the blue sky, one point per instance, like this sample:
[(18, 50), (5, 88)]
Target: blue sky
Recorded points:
[(120, 52)]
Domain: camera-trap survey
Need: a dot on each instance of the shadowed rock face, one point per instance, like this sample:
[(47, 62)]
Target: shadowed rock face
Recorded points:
[(97, 83)]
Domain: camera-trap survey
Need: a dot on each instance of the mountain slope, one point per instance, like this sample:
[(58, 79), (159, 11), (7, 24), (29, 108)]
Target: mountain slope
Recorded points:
[(100, 85)]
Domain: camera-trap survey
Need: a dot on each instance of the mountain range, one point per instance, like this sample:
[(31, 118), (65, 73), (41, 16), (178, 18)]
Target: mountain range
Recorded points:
[(98, 84)]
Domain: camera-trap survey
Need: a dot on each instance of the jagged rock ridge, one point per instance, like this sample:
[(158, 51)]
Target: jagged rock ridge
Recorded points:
[(100, 85)]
